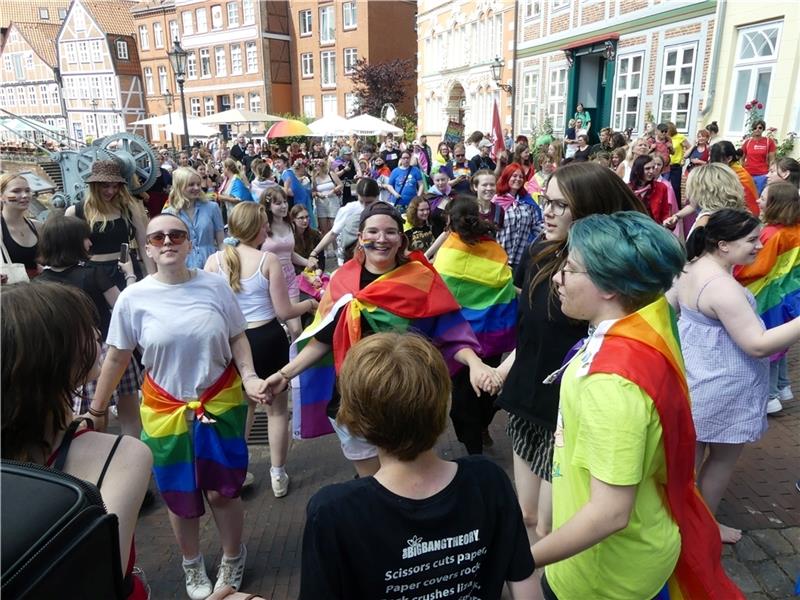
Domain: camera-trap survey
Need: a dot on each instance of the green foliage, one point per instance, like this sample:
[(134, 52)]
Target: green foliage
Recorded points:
[(408, 123), (380, 83)]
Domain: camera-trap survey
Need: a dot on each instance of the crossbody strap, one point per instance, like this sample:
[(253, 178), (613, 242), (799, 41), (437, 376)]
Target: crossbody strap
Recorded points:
[(66, 442), (108, 461)]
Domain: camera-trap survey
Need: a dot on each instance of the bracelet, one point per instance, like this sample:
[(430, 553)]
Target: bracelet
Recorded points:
[(284, 375), (312, 255), (98, 413)]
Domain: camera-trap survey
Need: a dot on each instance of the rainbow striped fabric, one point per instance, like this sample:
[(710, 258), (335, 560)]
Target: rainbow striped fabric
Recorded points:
[(412, 297), (480, 279), (644, 349), (210, 456), (774, 277)]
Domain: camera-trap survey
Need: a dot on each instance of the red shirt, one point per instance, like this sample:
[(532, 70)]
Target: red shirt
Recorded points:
[(756, 151)]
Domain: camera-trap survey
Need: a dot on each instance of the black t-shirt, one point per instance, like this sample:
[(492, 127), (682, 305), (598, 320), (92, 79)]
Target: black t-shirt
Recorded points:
[(363, 541), (582, 155), (420, 238), (544, 336), (93, 281), (391, 158)]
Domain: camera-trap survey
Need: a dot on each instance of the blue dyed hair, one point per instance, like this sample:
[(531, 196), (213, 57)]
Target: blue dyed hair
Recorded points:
[(629, 254)]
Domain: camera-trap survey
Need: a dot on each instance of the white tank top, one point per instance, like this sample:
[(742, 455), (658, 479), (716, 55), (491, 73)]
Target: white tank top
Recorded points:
[(325, 186), (253, 298)]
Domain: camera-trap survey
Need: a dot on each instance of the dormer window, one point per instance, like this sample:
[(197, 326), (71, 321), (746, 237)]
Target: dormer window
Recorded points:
[(122, 50)]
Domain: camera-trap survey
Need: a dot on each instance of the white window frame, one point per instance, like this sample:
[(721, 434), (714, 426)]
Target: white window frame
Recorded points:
[(148, 81), (97, 51), (350, 104), (144, 37), (201, 18), (187, 21), (307, 64), (331, 107), (556, 5), (220, 61), (194, 107), (305, 23), (79, 20), (191, 66), (238, 101), (327, 24), (71, 52), (327, 68), (158, 35), (233, 14), (755, 67), (350, 60), (44, 14), (122, 50), (310, 107), (254, 101), (83, 52), (32, 95), (349, 15), (163, 79), (217, 20), (531, 9), (205, 63), (54, 93), (623, 94), (174, 32), (529, 105), (557, 98), (209, 105), (236, 59), (248, 12), (251, 56), (45, 99), (676, 89)]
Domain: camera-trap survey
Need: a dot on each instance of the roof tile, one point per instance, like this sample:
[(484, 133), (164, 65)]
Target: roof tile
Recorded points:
[(42, 38)]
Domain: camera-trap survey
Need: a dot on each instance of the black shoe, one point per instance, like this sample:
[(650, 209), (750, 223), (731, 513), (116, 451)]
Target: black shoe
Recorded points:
[(488, 442)]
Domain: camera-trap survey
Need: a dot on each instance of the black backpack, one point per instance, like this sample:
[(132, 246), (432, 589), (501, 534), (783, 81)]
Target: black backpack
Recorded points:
[(58, 540)]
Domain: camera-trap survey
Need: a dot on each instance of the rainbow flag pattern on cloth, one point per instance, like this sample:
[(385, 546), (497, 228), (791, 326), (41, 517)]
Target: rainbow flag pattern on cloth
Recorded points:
[(774, 276), (411, 297), (211, 455), (480, 280), (643, 348)]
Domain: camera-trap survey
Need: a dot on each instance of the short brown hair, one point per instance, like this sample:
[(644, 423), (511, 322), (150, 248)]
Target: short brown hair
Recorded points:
[(783, 204), (378, 404)]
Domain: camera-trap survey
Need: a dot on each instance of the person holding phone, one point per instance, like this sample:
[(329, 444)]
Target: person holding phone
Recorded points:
[(460, 170)]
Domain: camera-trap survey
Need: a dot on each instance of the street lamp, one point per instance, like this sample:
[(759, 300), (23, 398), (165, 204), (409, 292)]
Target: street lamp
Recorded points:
[(178, 57), (113, 106), (94, 104), (168, 98), (497, 74)]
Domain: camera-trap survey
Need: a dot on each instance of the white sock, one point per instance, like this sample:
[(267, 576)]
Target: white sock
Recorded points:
[(233, 558), (192, 561), (276, 471)]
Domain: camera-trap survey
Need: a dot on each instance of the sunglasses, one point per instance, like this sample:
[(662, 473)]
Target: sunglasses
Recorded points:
[(176, 236)]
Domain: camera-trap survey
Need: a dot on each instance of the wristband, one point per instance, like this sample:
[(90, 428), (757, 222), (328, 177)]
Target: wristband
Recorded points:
[(98, 413)]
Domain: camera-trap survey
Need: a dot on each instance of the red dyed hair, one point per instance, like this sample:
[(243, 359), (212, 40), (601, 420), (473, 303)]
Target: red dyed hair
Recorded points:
[(502, 182)]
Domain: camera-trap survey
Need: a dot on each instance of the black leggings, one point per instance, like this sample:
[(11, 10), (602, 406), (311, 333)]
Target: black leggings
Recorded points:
[(472, 414)]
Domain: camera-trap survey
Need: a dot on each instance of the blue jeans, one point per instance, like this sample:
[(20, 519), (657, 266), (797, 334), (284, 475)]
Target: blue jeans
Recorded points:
[(778, 377)]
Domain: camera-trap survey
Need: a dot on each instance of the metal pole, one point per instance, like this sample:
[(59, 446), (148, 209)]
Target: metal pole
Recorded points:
[(171, 135), (185, 120)]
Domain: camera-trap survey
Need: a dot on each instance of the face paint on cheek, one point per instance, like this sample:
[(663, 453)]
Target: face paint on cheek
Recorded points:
[(368, 245)]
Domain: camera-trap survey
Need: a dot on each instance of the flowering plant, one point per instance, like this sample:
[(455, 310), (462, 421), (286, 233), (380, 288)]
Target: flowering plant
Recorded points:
[(755, 112)]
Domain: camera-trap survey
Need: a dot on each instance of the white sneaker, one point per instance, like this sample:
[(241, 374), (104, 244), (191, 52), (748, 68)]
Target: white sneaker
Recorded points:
[(280, 485), (774, 405), (248, 479), (198, 585), (786, 394), (230, 572)]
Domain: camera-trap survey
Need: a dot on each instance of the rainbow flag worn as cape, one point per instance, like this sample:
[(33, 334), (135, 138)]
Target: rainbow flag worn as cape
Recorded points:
[(480, 279), (644, 349), (212, 456), (774, 277), (411, 297)]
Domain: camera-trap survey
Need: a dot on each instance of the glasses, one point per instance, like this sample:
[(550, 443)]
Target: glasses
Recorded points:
[(176, 236), (301, 218), (460, 155), (557, 207), (759, 127), (564, 270)]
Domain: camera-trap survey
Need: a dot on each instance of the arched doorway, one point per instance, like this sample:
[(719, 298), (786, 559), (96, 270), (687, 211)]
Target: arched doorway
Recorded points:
[(456, 103)]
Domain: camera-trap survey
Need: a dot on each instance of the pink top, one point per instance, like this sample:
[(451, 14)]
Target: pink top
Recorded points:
[(283, 247)]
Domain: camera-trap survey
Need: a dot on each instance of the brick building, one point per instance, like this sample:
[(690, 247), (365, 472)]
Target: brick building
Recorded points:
[(328, 37), (457, 45), (628, 62)]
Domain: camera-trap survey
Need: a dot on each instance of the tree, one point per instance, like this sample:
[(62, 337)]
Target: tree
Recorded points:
[(379, 83)]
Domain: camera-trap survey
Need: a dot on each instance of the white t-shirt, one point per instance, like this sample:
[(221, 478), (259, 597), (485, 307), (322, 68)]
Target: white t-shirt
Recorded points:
[(183, 330), (470, 151), (345, 226)]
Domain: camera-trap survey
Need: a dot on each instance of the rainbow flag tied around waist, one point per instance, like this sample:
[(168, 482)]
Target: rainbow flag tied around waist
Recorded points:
[(210, 456), (480, 279), (643, 348), (411, 297)]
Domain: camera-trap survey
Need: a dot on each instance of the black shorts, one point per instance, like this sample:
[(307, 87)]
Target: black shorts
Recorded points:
[(270, 348)]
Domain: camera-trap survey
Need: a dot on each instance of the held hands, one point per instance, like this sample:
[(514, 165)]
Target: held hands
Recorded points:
[(670, 222), (274, 385), (485, 378), (257, 390)]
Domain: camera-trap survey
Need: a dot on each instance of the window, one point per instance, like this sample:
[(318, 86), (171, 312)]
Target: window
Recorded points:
[(350, 104), (83, 52), (327, 25), (144, 37), (209, 104), (122, 50), (108, 86), (350, 59), (163, 83), (309, 107), (21, 96), (205, 63), (191, 65), (202, 20), (148, 81), (307, 64), (532, 9), (252, 57), (53, 93), (45, 99), (756, 57), (233, 14), (530, 87), (7, 58), (255, 102), (72, 56), (97, 52), (676, 86), (158, 35), (236, 59), (188, 23), (628, 88), (32, 95), (173, 31), (62, 13), (305, 22), (557, 98), (97, 91), (329, 105), (44, 14), (349, 15), (559, 4), (194, 103), (238, 101), (248, 14), (79, 19), (328, 61), (220, 61), (216, 17)]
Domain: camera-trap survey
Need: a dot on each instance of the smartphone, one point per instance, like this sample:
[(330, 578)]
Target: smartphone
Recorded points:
[(124, 253)]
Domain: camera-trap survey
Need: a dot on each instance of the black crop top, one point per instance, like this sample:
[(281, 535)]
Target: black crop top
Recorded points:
[(116, 232), (21, 254)]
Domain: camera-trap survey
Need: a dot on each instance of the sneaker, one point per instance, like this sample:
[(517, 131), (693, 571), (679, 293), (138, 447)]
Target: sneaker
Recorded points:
[(248, 479), (774, 405), (786, 394), (231, 571), (198, 585), (280, 485)]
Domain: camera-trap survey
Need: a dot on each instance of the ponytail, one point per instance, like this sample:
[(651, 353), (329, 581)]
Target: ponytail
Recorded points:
[(234, 268), (696, 243)]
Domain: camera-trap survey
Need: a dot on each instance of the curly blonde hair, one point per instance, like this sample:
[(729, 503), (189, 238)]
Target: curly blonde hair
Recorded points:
[(715, 186), (181, 177)]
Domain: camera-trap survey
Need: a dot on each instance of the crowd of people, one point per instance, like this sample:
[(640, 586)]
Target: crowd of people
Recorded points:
[(549, 280)]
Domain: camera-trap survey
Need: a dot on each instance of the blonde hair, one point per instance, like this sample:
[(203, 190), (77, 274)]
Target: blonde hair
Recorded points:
[(715, 186), (96, 210), (7, 178), (244, 223), (231, 165), (181, 177), (631, 146)]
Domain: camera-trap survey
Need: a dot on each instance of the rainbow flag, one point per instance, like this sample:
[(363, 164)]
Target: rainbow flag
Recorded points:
[(644, 349), (412, 297), (774, 277), (212, 456), (480, 279)]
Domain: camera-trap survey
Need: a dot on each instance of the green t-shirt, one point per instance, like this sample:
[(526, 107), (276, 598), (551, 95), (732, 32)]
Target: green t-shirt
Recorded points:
[(584, 116), (608, 428)]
